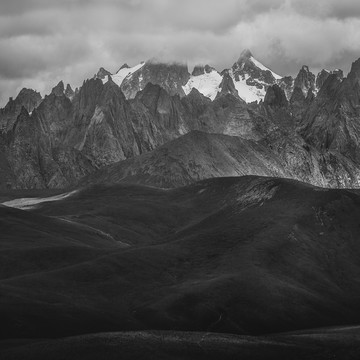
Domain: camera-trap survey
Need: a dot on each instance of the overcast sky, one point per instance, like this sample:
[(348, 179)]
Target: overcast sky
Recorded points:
[(45, 41)]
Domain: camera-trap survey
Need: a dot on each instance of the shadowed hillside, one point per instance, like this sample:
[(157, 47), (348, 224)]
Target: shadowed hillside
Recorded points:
[(246, 255), (198, 156)]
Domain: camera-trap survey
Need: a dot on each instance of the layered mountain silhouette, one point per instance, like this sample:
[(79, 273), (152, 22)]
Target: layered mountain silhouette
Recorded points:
[(57, 141), (198, 155), (198, 215)]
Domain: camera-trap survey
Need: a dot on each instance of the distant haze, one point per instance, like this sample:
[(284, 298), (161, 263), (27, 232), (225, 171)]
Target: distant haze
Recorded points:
[(45, 41)]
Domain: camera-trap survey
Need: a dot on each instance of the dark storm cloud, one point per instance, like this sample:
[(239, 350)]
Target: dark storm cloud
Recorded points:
[(44, 41)]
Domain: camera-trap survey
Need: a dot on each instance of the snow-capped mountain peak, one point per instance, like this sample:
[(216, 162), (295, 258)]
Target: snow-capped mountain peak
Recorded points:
[(245, 54), (206, 80), (250, 77), (248, 62), (264, 68), (124, 72)]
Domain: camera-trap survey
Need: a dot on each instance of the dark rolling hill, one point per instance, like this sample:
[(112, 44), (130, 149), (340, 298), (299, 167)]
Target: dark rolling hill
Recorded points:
[(249, 255)]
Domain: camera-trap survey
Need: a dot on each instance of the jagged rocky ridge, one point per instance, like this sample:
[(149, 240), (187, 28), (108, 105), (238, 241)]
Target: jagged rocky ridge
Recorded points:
[(250, 79), (298, 131)]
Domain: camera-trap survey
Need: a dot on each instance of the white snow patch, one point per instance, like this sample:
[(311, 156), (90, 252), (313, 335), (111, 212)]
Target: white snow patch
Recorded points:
[(263, 67), (119, 77), (30, 203), (105, 79), (207, 84), (247, 92)]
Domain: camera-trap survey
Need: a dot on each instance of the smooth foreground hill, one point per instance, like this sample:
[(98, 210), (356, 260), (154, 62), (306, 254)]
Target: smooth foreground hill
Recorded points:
[(248, 255), (144, 273)]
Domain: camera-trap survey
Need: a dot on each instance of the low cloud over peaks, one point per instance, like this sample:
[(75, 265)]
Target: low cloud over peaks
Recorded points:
[(44, 41)]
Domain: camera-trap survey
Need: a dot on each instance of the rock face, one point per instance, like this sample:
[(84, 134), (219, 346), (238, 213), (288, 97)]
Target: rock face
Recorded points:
[(275, 97), (69, 92), (312, 136), (227, 86), (331, 122), (272, 124), (251, 78), (287, 84), (171, 77), (63, 140), (324, 74), (298, 104), (27, 98), (305, 80), (246, 65), (102, 119), (35, 150), (198, 70), (59, 89), (198, 156), (103, 73), (321, 78)]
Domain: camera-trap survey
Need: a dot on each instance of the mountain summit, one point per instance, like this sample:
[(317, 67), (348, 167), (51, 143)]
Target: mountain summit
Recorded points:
[(245, 54), (251, 78), (116, 116)]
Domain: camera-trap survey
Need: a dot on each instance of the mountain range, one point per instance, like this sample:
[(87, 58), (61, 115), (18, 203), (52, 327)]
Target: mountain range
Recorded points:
[(158, 213), (306, 126)]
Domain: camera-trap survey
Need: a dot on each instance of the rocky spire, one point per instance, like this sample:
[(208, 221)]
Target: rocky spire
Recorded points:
[(124, 66), (198, 70), (170, 76), (245, 55), (321, 78), (305, 80), (69, 92), (324, 74), (339, 73), (227, 86), (102, 73), (354, 74), (59, 89), (28, 98)]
